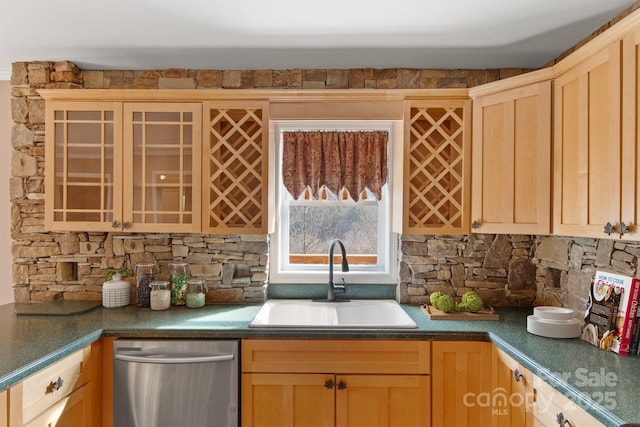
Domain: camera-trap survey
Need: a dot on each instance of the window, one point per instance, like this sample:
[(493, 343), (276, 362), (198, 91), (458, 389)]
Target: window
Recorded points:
[(305, 227)]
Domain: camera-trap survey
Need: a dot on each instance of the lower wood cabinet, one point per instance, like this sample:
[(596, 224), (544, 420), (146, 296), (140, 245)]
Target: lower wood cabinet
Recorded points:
[(512, 393), (550, 407), (335, 383), (64, 394), (461, 381), (4, 408), (521, 399)]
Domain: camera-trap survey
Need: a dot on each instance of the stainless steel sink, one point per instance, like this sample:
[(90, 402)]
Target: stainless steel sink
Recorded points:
[(374, 314)]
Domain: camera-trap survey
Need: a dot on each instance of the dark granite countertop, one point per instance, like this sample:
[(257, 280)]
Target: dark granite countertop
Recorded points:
[(604, 384)]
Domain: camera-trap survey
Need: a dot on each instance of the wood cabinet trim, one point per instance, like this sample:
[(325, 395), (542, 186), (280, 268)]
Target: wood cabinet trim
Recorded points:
[(271, 95), (515, 82)]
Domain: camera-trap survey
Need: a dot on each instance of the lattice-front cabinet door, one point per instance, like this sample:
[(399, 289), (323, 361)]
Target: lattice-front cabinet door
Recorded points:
[(436, 167), (235, 167), (82, 168), (162, 167)]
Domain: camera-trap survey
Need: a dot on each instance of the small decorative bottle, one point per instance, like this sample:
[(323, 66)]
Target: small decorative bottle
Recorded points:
[(160, 295), (144, 277), (179, 278), (195, 293)]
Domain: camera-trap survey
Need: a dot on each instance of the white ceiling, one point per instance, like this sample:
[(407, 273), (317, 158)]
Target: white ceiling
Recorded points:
[(281, 34)]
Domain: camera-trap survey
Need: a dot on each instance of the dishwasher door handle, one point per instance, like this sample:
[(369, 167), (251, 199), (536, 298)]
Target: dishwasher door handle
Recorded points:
[(151, 358)]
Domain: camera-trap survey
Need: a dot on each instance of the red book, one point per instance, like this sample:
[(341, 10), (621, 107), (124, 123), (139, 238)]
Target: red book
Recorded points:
[(611, 311)]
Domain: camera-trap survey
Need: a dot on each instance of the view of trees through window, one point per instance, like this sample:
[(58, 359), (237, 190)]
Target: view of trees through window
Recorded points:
[(313, 226)]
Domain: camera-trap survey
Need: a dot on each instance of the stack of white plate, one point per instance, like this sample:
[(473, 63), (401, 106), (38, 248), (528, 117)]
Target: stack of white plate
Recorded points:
[(554, 322)]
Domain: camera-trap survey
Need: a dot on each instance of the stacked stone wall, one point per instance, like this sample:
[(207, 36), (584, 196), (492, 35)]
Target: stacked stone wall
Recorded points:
[(500, 268), (504, 269), (511, 269), (566, 266)]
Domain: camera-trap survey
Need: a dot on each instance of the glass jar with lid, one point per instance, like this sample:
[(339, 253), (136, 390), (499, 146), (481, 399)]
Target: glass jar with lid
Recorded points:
[(160, 295), (196, 289), (144, 277), (179, 278)]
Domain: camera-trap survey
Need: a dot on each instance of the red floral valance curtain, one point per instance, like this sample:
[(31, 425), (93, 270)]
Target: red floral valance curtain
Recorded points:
[(337, 160)]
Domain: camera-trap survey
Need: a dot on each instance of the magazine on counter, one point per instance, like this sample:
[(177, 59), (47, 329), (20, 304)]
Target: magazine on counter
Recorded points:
[(611, 312)]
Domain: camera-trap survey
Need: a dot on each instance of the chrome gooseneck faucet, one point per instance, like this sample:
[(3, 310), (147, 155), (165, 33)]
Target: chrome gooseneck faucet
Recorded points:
[(332, 288)]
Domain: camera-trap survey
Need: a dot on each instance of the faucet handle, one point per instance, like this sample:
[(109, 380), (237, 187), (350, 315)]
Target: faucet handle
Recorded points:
[(340, 288)]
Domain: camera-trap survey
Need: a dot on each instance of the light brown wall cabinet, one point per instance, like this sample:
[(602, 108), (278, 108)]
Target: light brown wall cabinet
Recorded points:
[(588, 151), (630, 204), (335, 383), (436, 167), (512, 161), (65, 394), (114, 166), (235, 161)]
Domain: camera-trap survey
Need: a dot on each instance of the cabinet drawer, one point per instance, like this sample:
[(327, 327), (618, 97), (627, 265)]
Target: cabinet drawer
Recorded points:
[(340, 356), (70, 411), (49, 385), (549, 403)]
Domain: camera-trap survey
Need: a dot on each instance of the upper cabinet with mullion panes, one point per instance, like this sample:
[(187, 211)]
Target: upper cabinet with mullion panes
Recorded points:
[(83, 186), (114, 166), (162, 166)]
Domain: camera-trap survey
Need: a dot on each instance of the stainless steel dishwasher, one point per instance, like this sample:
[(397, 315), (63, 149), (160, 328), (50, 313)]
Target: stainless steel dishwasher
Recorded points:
[(173, 383)]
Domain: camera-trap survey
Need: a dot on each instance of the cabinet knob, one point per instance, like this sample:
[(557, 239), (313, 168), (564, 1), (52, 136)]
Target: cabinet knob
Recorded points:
[(126, 224), (475, 225), (517, 375), (608, 229), (622, 229), (328, 384), (342, 385), (115, 224), (561, 420), (54, 385)]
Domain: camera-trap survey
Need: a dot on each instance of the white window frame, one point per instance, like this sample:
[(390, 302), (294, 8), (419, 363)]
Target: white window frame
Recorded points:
[(279, 269)]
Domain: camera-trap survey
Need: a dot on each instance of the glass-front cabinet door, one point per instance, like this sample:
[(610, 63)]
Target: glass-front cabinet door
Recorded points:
[(161, 167), (113, 166), (83, 180)]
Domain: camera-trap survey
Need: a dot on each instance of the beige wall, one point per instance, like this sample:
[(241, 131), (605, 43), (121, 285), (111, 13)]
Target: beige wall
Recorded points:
[(6, 288)]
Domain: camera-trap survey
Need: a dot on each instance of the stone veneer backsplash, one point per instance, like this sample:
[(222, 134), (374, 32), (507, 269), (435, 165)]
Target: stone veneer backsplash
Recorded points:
[(504, 269)]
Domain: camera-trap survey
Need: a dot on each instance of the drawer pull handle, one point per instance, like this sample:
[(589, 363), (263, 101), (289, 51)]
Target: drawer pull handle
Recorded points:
[(342, 385), (55, 385), (517, 375), (561, 420), (328, 384)]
